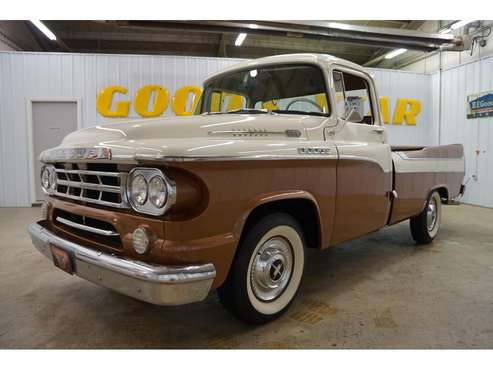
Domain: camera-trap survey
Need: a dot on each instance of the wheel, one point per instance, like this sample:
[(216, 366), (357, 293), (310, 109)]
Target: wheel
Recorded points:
[(267, 270), (424, 227)]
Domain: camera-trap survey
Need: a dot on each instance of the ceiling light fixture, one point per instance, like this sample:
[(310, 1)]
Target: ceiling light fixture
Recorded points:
[(454, 26), (46, 31), (395, 53), (459, 24), (239, 40)]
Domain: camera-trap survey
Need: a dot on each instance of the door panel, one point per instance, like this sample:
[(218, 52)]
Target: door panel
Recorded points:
[(51, 121), (364, 180), (364, 170)]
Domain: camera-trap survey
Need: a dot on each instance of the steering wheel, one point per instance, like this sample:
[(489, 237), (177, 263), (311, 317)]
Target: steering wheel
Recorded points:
[(305, 100)]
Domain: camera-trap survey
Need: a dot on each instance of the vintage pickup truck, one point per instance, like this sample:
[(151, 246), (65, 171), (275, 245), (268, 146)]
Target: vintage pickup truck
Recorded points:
[(282, 154)]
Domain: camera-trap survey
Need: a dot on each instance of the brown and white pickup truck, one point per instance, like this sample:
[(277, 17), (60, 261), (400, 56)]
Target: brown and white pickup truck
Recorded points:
[(284, 153)]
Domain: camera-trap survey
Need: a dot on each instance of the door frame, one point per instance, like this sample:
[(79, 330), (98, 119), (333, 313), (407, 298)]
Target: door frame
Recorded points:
[(30, 141)]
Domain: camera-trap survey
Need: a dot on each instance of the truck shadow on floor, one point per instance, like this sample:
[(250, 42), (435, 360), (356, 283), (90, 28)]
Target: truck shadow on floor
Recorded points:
[(105, 319)]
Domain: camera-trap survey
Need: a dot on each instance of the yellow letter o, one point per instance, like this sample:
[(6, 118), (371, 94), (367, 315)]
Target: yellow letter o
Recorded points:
[(143, 96), (181, 97)]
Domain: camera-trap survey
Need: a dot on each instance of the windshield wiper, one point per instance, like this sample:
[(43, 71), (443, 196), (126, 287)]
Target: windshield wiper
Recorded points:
[(286, 111), (244, 110)]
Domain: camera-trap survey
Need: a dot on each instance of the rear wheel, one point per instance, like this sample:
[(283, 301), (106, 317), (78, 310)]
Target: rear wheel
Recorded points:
[(424, 227), (267, 270)]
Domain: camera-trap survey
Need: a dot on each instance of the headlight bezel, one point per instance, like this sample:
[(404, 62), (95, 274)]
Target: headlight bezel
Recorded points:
[(148, 207)]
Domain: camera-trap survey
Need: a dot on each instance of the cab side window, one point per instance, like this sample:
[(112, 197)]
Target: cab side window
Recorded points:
[(353, 100)]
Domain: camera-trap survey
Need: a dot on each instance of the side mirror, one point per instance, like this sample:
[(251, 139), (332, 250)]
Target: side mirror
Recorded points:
[(354, 116), (342, 121)]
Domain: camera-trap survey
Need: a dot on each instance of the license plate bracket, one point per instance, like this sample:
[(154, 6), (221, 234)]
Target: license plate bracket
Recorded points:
[(62, 259)]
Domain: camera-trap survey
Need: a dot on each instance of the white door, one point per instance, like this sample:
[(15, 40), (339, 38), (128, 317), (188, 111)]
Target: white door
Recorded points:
[(364, 170), (51, 122)]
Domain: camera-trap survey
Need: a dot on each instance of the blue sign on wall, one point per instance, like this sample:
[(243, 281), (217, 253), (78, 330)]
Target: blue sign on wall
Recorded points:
[(480, 105)]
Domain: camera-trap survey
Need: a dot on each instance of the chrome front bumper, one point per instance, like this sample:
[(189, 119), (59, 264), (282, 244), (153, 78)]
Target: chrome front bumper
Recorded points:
[(162, 285)]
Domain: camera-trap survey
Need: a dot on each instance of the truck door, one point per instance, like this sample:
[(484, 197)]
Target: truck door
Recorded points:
[(364, 169)]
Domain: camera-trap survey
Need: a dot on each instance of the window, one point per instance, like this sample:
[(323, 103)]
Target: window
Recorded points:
[(295, 89), (352, 93)]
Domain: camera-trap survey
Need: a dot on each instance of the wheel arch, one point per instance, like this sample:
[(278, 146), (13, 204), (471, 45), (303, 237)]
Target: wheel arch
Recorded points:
[(302, 206), (442, 191)]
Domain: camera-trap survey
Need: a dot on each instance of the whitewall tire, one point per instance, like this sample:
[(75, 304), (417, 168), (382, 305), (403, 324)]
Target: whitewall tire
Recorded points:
[(267, 270), (425, 226)]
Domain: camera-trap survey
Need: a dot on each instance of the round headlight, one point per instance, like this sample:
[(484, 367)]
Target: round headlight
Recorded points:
[(138, 190), (158, 193), (45, 178)]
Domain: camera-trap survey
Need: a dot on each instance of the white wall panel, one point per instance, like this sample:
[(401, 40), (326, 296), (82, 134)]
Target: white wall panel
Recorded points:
[(475, 134), (53, 75), (402, 84)]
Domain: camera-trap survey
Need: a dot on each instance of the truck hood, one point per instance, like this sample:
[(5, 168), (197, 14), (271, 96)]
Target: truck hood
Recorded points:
[(191, 136)]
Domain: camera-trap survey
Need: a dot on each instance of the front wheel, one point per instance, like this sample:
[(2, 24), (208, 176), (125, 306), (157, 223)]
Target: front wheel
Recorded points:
[(267, 270), (424, 227)]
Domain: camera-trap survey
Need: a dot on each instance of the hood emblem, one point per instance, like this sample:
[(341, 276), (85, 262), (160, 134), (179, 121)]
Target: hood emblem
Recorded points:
[(316, 151), (254, 132), (76, 153)]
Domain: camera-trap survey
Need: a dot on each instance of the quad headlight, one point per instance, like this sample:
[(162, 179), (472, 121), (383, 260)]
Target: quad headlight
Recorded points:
[(48, 179), (150, 191)]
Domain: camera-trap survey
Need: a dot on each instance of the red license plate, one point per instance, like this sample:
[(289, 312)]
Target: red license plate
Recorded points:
[(62, 259)]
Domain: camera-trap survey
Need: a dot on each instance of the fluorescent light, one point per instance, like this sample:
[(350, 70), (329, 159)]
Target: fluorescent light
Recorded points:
[(341, 26), (253, 26), (47, 32), (459, 24), (239, 40), (395, 53)]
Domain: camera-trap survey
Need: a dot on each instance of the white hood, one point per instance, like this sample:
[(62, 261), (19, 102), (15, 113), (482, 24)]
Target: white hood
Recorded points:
[(194, 136)]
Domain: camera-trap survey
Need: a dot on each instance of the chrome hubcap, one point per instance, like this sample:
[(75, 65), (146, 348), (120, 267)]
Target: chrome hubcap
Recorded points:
[(431, 214), (271, 269)]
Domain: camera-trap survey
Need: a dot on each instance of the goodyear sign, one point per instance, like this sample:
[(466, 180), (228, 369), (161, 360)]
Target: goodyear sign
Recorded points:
[(154, 100), (480, 105)]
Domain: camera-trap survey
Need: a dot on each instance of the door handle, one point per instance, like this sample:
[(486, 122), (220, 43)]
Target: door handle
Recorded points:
[(378, 130)]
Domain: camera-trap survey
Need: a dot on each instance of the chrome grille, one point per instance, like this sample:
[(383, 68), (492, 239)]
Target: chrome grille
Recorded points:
[(106, 188)]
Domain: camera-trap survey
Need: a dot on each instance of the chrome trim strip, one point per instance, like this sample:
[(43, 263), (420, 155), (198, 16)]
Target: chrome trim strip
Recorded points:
[(163, 285), (90, 200), (405, 157), (90, 186), (266, 157), (86, 228), (95, 173), (249, 132)]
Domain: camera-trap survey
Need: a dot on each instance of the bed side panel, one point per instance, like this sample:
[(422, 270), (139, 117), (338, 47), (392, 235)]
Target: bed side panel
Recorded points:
[(418, 172)]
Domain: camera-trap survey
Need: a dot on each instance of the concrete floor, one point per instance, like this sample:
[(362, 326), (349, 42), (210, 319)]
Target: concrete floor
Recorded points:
[(380, 291)]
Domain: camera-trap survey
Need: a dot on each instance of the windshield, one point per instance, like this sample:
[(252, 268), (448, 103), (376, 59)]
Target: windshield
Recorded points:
[(296, 89)]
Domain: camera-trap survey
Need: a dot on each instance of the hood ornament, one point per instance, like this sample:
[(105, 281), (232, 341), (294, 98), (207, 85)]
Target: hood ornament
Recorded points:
[(254, 132)]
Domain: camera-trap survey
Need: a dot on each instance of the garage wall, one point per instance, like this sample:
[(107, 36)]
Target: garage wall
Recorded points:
[(403, 84), (28, 75), (476, 134)]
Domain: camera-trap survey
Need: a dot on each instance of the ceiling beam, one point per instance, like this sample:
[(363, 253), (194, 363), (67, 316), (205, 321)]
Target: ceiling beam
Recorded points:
[(362, 35)]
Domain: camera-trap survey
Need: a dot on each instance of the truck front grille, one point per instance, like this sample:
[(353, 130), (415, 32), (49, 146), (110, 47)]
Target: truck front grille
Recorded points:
[(87, 228), (103, 185)]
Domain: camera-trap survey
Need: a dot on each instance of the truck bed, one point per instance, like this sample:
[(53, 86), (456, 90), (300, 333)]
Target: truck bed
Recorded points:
[(420, 170)]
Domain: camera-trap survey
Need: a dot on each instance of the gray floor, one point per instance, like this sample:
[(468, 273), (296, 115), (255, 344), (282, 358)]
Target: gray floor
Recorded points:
[(380, 291)]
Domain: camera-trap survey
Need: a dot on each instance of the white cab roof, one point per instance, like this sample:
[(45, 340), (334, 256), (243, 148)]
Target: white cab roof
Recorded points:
[(323, 60)]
